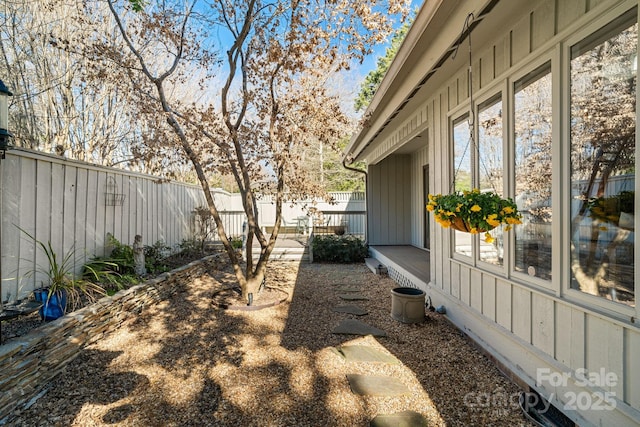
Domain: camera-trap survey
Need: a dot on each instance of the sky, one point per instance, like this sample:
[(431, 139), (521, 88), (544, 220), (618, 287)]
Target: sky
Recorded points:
[(357, 74)]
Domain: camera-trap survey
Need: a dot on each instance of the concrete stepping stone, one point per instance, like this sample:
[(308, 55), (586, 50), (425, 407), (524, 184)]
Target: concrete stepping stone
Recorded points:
[(376, 385), (353, 297), (365, 353), (350, 309), (400, 419), (348, 289), (356, 327)]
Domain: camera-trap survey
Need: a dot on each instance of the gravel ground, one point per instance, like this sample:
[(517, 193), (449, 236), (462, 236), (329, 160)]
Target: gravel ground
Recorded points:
[(189, 362)]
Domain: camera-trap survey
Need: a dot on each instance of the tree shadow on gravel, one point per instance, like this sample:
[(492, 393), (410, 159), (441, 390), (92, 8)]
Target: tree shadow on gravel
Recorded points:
[(88, 379), (206, 366)]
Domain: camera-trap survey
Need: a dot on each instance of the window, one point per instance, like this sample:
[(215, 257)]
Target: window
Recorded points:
[(490, 170), (603, 147), (532, 153), (462, 146)]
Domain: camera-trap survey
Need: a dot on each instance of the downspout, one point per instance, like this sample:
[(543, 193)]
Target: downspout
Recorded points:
[(366, 198)]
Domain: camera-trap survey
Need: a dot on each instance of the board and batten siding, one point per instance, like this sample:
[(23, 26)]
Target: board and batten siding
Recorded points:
[(63, 202), (527, 328), (419, 160), (390, 185)]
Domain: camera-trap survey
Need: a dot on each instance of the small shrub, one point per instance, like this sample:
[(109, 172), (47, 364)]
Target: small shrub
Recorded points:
[(236, 242), (190, 247), (340, 249), (154, 256), (122, 256)]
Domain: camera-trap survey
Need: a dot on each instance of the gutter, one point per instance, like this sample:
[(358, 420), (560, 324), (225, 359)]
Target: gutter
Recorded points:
[(366, 199)]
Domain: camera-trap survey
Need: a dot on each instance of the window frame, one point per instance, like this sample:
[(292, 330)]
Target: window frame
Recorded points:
[(488, 97), (550, 58), (610, 308), (456, 116)]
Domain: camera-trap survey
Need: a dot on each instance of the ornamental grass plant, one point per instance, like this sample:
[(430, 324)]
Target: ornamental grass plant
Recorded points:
[(474, 211)]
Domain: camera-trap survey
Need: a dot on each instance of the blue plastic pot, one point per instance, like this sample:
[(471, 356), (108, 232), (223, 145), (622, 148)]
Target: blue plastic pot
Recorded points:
[(53, 306)]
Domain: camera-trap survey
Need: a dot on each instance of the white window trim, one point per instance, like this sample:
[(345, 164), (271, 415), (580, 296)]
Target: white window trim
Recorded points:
[(563, 183)]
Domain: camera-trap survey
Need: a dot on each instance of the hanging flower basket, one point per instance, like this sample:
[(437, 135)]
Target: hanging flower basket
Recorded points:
[(617, 210), (474, 212), (461, 225)]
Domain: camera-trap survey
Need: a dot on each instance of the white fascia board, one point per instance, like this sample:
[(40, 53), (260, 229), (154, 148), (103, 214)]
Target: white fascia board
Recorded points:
[(434, 31)]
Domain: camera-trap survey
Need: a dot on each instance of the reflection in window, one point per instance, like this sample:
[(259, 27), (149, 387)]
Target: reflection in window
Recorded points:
[(490, 170), (462, 146), (603, 116), (532, 124)]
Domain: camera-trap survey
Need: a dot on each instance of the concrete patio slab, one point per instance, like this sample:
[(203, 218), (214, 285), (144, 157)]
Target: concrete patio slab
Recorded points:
[(350, 309), (376, 385), (356, 327)]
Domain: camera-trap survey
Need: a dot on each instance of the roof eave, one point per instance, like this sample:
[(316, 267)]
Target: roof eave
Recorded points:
[(428, 40)]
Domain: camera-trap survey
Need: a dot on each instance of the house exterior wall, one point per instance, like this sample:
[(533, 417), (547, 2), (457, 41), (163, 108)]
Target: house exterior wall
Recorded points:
[(536, 330), (390, 186), (419, 160)]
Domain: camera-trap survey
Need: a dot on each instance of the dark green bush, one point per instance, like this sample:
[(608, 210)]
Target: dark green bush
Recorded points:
[(154, 257), (340, 249), (122, 256)]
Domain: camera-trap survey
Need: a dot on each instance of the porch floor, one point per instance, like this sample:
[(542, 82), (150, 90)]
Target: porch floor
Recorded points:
[(409, 258)]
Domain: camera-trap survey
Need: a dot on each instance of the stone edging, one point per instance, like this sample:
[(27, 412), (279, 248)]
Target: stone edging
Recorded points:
[(29, 362)]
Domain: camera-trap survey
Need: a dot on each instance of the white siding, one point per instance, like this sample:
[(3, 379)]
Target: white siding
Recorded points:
[(525, 326)]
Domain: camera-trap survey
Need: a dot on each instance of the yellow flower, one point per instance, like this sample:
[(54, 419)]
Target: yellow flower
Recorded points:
[(475, 208), (458, 207), (603, 228), (511, 220), (508, 227), (449, 213), (492, 221), (473, 230), (445, 224), (488, 238), (508, 210), (430, 207)]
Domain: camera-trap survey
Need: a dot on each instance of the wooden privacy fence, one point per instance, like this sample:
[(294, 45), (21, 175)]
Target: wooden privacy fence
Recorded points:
[(74, 205)]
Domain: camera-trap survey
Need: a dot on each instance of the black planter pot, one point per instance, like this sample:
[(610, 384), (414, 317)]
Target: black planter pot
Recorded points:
[(53, 306)]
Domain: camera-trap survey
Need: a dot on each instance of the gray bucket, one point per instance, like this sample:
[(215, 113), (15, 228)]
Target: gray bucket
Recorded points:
[(407, 305)]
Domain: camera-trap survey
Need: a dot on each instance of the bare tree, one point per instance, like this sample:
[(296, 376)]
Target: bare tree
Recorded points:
[(273, 99), (55, 108)]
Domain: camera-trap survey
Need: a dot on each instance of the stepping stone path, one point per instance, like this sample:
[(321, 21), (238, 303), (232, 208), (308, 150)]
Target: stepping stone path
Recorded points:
[(371, 385), (348, 289), (376, 385), (400, 419), (353, 297), (365, 353), (350, 309), (356, 327)]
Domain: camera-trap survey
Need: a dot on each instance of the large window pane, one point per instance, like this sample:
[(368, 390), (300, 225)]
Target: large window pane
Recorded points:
[(490, 170), (603, 116), (462, 146), (532, 124)]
